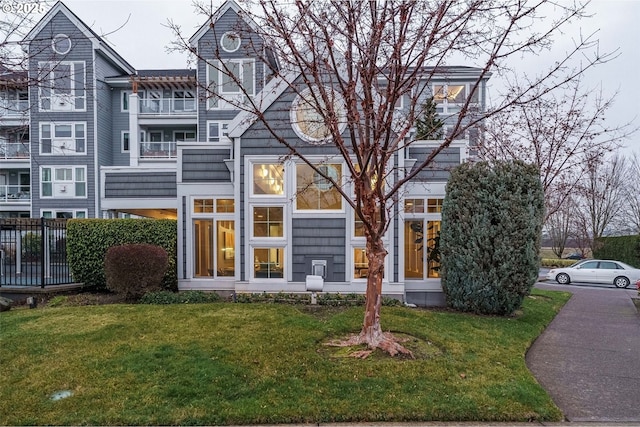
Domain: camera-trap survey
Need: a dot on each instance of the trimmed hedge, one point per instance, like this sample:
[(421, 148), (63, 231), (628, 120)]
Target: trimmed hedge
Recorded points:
[(490, 239), (621, 248), (89, 239), (134, 269)]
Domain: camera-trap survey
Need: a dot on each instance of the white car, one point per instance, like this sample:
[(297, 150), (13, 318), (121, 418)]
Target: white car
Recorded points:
[(618, 273)]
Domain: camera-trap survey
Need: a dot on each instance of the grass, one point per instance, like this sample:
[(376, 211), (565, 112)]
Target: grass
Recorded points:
[(226, 363)]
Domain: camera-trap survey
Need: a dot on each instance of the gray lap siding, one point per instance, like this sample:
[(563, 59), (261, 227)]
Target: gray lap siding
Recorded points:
[(205, 166), (140, 185), (439, 170), (40, 51)]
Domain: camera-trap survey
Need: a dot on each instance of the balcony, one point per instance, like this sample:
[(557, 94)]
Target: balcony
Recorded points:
[(168, 106), (13, 108), (15, 194), (158, 150), (14, 150)]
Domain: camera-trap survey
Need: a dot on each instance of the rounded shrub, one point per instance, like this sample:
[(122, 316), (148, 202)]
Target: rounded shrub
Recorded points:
[(133, 270), (491, 226)]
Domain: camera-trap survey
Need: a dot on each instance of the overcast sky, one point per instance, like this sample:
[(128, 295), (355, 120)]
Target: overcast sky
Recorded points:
[(143, 38)]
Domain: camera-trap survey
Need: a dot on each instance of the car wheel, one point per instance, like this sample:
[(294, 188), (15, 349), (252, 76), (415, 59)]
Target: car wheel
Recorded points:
[(563, 279), (621, 282)]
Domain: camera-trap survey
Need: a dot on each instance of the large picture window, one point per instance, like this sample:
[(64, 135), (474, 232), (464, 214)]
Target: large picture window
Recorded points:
[(63, 138), (268, 179), (62, 86), (314, 192), (63, 182)]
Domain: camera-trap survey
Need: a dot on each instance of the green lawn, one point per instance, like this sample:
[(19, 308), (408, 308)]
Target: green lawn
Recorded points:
[(228, 363)]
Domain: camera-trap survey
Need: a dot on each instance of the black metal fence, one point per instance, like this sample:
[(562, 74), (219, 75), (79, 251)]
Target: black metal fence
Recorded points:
[(33, 252)]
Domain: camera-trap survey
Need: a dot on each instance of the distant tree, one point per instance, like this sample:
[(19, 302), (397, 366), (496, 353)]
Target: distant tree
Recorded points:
[(602, 198), (633, 195), (429, 125), (562, 132)]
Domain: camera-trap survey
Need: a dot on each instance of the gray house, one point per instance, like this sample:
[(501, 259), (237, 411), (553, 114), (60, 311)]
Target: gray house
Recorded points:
[(85, 135)]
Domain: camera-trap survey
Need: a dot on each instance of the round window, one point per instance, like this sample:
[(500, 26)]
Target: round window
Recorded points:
[(230, 41), (61, 44)]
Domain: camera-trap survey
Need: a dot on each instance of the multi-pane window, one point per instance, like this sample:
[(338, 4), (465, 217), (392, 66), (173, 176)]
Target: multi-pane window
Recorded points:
[(268, 221), (268, 179), (434, 205), (218, 132), (62, 86), (360, 263), (449, 97), (184, 135), (75, 213), (314, 191), (63, 138), (421, 251), (184, 100), (63, 181), (268, 263), (414, 206), (228, 80), (213, 238)]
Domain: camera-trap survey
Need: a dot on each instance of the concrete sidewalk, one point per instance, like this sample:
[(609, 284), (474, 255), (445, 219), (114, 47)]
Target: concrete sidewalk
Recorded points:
[(588, 359)]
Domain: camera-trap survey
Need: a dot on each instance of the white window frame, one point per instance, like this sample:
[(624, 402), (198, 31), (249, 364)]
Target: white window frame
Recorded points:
[(425, 217), (123, 134), (316, 212), (124, 100), (78, 90), (54, 213), (175, 138), (184, 100), (214, 216), (251, 182), (232, 34), (220, 139), (216, 86), (60, 189), (61, 37), (59, 144)]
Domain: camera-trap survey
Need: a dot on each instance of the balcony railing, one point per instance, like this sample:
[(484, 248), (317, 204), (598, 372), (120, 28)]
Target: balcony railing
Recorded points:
[(15, 194), (13, 108), (14, 150), (168, 106), (158, 150)]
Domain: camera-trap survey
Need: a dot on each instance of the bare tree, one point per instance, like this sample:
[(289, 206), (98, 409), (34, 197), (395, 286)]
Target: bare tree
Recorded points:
[(633, 195), (561, 132), (559, 226), (369, 55), (603, 198)]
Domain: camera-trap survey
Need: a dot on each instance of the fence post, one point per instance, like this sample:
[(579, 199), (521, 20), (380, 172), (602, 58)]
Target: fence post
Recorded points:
[(42, 252)]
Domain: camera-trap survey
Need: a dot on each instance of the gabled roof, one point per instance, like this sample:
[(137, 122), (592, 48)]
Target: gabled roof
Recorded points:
[(98, 43), (229, 4)]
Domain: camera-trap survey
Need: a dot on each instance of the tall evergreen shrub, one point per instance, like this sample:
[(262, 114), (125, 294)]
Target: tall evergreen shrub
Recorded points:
[(490, 239)]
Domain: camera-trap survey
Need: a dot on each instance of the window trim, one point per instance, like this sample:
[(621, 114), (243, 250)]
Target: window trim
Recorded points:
[(61, 36), (215, 102), (317, 211), (74, 212), (72, 182), (124, 94), (185, 131), (47, 76), (71, 138), (223, 139), (227, 34), (124, 133)]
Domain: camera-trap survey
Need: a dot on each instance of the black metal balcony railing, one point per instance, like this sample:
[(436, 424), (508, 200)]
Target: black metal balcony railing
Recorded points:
[(168, 106)]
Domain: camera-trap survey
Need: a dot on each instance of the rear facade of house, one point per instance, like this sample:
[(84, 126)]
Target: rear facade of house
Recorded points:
[(85, 135)]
